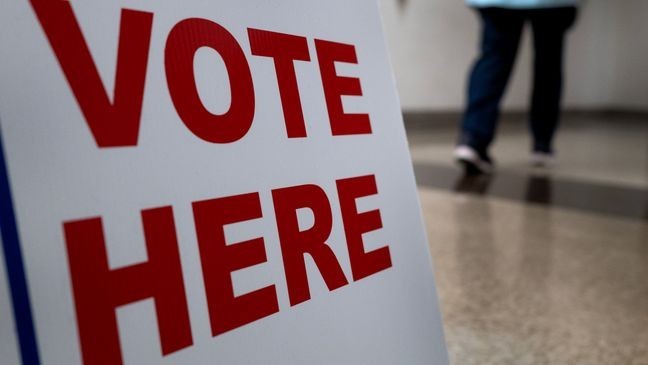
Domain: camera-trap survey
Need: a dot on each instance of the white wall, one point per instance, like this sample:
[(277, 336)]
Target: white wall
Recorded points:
[(434, 42)]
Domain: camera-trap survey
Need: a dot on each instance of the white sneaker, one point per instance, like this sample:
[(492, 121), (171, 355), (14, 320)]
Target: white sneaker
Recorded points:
[(542, 159), (473, 162)]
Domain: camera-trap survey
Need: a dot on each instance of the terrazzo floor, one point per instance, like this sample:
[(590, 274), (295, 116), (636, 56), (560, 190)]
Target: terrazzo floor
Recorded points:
[(527, 281)]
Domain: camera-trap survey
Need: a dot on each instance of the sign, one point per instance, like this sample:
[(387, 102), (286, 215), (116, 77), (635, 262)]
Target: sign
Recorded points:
[(186, 182)]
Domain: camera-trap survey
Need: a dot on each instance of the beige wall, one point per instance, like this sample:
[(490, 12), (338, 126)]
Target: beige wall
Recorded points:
[(433, 43)]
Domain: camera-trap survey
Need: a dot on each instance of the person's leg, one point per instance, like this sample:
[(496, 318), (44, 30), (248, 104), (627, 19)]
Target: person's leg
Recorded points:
[(501, 29), (549, 27)]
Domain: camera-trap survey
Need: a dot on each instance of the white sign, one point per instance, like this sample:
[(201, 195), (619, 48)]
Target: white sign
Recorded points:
[(193, 182)]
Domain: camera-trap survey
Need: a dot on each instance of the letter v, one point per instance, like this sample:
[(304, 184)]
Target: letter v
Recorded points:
[(116, 123)]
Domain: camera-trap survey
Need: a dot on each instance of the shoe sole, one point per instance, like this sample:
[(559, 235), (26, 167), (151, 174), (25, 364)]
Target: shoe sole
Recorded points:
[(471, 168)]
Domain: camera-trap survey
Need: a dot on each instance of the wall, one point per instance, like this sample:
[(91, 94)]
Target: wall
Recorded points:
[(433, 43)]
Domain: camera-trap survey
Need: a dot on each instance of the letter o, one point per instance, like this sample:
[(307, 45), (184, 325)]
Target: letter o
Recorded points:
[(184, 40)]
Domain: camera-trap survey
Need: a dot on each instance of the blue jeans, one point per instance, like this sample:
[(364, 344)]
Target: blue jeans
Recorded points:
[(490, 74)]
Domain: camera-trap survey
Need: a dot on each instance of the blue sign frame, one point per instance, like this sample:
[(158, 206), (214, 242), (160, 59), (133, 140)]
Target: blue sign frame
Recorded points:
[(15, 267)]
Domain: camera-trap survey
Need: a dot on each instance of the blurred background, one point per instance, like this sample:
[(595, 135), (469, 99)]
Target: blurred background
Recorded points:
[(433, 43), (534, 265)]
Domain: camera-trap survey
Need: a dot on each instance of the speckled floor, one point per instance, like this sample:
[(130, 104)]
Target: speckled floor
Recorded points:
[(525, 283)]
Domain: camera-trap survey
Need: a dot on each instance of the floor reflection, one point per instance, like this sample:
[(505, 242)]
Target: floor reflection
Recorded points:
[(476, 184), (539, 187), (539, 190)]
